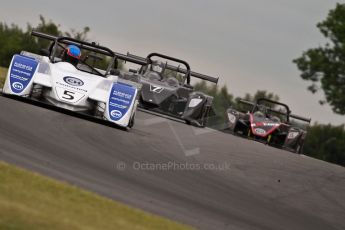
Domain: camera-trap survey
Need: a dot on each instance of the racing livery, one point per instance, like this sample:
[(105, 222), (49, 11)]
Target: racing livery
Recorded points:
[(270, 122), (81, 87), (167, 89)]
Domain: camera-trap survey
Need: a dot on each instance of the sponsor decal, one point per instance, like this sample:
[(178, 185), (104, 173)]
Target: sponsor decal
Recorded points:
[(292, 135), (17, 85), (232, 118), (270, 124), (156, 89), (194, 102), (73, 81), (260, 131), (21, 72), (120, 100), (116, 113), (264, 124), (71, 87), (68, 95)]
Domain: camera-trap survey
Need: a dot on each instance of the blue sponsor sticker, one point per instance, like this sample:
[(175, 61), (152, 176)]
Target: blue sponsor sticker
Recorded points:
[(21, 73), (120, 99)]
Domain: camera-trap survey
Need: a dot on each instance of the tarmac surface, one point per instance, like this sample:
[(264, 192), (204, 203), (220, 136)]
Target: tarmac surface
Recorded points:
[(200, 177)]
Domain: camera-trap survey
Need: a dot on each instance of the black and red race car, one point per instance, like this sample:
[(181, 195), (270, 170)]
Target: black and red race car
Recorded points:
[(270, 122)]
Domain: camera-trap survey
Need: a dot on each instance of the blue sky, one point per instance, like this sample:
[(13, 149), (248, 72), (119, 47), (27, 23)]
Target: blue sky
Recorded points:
[(248, 44)]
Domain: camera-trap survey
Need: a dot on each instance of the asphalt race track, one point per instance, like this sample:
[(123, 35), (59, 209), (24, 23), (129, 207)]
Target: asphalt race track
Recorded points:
[(200, 177)]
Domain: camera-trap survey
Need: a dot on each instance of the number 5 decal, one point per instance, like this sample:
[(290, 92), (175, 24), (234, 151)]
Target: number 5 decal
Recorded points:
[(68, 95)]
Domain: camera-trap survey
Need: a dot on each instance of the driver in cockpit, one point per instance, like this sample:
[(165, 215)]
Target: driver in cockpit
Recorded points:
[(72, 55), (156, 71), (158, 67), (263, 112)]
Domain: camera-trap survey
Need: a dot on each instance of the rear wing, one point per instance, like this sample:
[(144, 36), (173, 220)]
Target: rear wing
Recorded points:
[(300, 118), (245, 102), (143, 61), (297, 117)]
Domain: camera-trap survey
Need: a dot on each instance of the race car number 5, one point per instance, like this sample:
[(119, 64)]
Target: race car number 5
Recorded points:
[(68, 95)]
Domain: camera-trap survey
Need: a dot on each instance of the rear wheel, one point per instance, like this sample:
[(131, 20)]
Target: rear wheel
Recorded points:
[(201, 121), (204, 116)]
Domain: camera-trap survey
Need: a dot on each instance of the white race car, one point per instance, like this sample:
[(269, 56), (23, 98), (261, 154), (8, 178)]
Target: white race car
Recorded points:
[(83, 85)]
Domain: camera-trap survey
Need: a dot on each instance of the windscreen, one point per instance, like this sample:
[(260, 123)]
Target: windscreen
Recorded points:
[(89, 61), (274, 111), (159, 66)]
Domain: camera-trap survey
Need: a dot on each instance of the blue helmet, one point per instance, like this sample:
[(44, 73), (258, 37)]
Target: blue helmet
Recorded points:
[(73, 51), (72, 55)]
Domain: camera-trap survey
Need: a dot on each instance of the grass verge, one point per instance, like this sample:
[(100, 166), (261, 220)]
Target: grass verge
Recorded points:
[(3, 72), (31, 201)]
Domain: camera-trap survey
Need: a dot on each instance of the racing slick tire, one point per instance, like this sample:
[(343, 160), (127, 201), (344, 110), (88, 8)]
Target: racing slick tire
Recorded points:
[(131, 122), (299, 147)]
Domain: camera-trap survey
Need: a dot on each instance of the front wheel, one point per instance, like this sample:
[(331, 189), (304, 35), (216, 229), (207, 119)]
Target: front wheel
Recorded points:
[(131, 122), (299, 148), (242, 130), (205, 116)]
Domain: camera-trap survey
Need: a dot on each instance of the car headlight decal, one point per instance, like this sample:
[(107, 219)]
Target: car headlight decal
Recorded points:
[(260, 131), (292, 135), (232, 118), (44, 68), (194, 102)]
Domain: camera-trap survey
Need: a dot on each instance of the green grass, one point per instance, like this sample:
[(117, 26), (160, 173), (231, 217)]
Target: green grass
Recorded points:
[(31, 201), (3, 72)]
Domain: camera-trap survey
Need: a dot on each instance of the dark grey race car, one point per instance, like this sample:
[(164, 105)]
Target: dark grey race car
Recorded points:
[(166, 89), (270, 122)]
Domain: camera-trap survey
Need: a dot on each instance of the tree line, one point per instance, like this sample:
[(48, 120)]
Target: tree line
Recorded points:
[(14, 39)]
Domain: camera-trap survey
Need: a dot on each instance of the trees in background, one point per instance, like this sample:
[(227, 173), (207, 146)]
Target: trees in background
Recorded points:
[(324, 66), (261, 94), (13, 39), (223, 99), (326, 142)]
